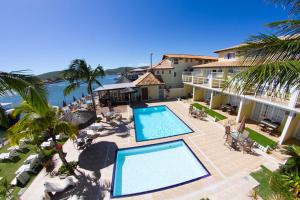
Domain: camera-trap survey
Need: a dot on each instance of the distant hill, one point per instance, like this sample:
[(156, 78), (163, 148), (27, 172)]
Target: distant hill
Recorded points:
[(57, 75)]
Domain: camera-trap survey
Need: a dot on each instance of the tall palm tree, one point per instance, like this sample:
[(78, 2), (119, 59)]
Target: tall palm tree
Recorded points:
[(80, 72), (274, 58), (29, 87), (35, 123)]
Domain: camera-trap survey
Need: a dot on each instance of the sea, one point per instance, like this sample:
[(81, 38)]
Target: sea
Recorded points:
[(56, 95)]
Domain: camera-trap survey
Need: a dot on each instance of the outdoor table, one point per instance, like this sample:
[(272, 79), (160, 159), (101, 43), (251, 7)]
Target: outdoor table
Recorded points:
[(269, 124)]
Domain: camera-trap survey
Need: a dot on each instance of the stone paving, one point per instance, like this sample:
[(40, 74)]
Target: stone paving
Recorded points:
[(229, 169)]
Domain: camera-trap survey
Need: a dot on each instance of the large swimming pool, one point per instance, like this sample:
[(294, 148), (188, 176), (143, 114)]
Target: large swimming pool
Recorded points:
[(155, 167), (157, 122)]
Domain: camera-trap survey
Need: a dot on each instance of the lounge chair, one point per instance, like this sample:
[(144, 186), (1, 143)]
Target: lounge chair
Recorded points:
[(31, 167), (227, 132), (22, 177), (22, 145), (32, 158), (47, 144), (9, 156), (52, 188)]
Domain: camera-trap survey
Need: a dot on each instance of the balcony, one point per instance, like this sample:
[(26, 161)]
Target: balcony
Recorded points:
[(213, 82)]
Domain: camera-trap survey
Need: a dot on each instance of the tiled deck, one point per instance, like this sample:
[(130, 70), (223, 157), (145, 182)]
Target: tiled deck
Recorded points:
[(229, 169)]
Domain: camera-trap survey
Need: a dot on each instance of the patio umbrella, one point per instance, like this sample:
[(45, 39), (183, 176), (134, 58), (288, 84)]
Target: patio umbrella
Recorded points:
[(80, 119), (242, 125), (74, 99), (64, 103)]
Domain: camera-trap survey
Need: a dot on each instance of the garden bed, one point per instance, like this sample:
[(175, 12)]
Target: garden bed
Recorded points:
[(210, 112)]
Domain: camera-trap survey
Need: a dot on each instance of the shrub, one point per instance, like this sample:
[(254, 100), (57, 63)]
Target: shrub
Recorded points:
[(63, 169)]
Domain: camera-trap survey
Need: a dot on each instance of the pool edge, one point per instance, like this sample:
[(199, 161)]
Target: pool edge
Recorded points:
[(135, 132), (159, 189)]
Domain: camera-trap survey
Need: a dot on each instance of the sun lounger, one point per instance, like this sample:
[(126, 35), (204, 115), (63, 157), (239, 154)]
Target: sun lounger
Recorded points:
[(9, 156), (23, 178), (47, 144), (22, 145), (52, 188), (29, 167), (32, 158)]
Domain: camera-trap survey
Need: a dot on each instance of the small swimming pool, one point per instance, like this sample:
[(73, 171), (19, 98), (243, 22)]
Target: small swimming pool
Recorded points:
[(157, 122), (155, 167)]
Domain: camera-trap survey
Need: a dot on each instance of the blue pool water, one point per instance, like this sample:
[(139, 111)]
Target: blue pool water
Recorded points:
[(157, 122), (155, 167)]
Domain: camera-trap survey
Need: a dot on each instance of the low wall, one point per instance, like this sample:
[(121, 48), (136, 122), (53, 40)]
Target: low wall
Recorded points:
[(175, 92)]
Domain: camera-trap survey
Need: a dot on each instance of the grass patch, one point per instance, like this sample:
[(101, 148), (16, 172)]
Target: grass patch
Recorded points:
[(210, 112), (265, 190), (261, 139), (8, 168)]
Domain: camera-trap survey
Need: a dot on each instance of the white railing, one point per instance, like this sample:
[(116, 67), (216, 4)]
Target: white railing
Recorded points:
[(217, 83), (187, 79), (200, 80)]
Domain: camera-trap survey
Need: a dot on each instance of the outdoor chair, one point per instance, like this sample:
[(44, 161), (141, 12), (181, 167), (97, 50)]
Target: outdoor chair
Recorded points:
[(227, 132), (31, 167), (22, 178), (246, 134), (231, 142), (247, 146)]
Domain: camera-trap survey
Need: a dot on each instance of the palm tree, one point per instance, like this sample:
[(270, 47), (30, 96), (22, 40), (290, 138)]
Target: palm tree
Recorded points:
[(274, 58), (29, 87), (293, 161), (80, 72), (35, 123)]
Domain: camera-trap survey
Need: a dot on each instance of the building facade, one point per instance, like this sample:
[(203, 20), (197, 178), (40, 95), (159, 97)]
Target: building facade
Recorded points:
[(206, 83)]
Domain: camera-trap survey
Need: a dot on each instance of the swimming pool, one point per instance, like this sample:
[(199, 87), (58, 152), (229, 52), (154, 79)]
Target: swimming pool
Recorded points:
[(150, 168), (157, 122)]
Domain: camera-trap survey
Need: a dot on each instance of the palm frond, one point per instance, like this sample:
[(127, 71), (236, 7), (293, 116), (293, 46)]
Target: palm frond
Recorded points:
[(28, 87), (71, 87), (264, 48), (65, 128), (288, 27), (277, 76), (292, 5)]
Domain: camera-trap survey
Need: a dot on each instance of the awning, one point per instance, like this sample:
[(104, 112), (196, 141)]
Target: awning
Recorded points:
[(116, 86)]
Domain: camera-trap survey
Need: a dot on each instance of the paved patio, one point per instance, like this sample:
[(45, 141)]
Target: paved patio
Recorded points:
[(229, 169)]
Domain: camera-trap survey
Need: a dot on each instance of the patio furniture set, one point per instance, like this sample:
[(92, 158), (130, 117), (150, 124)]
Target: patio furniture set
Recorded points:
[(268, 126), (228, 108), (238, 140), (196, 113)]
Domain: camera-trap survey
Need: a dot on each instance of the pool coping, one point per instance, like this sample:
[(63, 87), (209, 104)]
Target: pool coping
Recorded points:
[(158, 189), (135, 132)]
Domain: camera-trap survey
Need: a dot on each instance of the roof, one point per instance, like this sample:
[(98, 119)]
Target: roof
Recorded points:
[(222, 63), (163, 64), (148, 79), (115, 86), (229, 48), (189, 56)]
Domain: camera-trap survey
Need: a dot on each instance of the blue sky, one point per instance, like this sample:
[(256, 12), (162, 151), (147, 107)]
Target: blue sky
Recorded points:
[(45, 35)]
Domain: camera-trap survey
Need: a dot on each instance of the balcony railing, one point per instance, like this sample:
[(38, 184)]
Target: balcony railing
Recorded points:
[(217, 83)]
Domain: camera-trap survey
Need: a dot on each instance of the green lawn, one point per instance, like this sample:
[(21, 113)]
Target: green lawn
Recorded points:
[(264, 189), (210, 112), (261, 139), (8, 168)]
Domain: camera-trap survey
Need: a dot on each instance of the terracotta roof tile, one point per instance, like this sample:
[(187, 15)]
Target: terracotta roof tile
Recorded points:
[(163, 64), (222, 63), (148, 79), (189, 56)]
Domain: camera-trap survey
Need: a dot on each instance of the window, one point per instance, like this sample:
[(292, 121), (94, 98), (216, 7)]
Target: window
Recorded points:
[(162, 72), (175, 60), (186, 60), (175, 74), (157, 72), (200, 61), (169, 71), (229, 56)]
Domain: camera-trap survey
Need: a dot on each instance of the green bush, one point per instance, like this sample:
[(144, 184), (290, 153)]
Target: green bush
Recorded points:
[(63, 169)]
